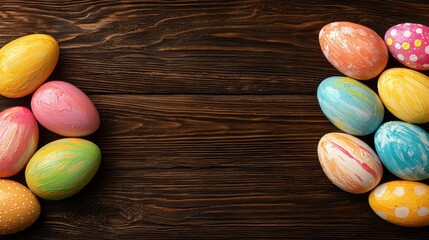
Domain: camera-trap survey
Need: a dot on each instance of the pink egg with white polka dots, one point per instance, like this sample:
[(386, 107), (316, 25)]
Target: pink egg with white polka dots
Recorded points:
[(409, 44)]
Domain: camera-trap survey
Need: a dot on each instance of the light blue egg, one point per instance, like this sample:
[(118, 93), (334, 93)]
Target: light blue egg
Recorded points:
[(403, 148), (350, 105)]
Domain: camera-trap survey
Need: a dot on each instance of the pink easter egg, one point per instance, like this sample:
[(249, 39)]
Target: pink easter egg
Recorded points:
[(409, 44), (19, 136), (64, 109)]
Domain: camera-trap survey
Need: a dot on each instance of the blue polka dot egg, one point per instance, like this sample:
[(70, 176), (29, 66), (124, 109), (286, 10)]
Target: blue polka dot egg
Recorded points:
[(403, 149), (350, 105)]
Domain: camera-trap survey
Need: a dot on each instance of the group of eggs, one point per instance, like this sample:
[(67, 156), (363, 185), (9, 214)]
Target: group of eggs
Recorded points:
[(60, 168), (402, 146)]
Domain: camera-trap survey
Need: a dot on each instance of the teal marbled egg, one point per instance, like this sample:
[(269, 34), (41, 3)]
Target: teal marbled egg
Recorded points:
[(350, 105), (62, 168), (403, 148)]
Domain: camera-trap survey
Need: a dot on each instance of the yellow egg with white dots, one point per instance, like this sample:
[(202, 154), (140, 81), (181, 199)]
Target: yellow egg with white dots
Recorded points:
[(404, 203), (19, 207)]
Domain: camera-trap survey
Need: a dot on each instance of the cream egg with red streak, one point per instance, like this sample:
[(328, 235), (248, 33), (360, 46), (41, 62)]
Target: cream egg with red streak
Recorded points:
[(65, 110), (350, 164)]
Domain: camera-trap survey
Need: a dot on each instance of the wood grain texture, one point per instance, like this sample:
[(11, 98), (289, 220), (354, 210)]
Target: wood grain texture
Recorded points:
[(193, 47), (210, 121)]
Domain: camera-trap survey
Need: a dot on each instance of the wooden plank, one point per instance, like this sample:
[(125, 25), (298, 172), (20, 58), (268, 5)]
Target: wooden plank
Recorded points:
[(192, 47), (210, 121), (187, 166)]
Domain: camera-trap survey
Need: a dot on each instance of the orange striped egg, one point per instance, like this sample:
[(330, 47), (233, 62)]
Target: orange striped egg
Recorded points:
[(354, 50), (349, 162), (404, 203)]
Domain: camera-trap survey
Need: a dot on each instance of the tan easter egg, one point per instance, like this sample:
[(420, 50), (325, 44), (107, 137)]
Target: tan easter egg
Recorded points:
[(19, 207)]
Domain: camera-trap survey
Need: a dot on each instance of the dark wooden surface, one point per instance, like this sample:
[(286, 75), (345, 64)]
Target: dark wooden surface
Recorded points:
[(209, 117)]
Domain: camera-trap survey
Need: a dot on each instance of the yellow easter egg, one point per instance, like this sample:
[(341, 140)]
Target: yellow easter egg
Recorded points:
[(404, 203), (25, 63), (405, 93)]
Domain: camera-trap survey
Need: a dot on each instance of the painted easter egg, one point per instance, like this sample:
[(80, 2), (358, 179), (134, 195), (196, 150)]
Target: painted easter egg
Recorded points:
[(409, 44), (19, 207), (64, 109), (404, 203), (405, 93), (404, 149), (350, 105), (354, 50), (19, 136), (62, 168), (25, 63), (349, 162)]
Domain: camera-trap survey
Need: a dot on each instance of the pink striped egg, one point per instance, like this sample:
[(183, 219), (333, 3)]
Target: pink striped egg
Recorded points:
[(64, 109), (354, 50), (349, 162), (409, 44), (19, 136)]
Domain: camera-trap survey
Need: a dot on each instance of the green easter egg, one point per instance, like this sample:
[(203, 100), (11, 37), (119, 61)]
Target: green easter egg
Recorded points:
[(62, 168)]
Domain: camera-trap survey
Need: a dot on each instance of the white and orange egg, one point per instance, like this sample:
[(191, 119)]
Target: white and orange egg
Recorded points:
[(349, 163), (353, 49)]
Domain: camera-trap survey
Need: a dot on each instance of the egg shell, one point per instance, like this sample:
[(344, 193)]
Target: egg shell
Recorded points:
[(403, 203), (19, 207), (62, 168), (409, 44), (403, 149), (19, 136), (405, 93), (354, 50), (25, 63), (349, 162), (65, 110), (350, 105)]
